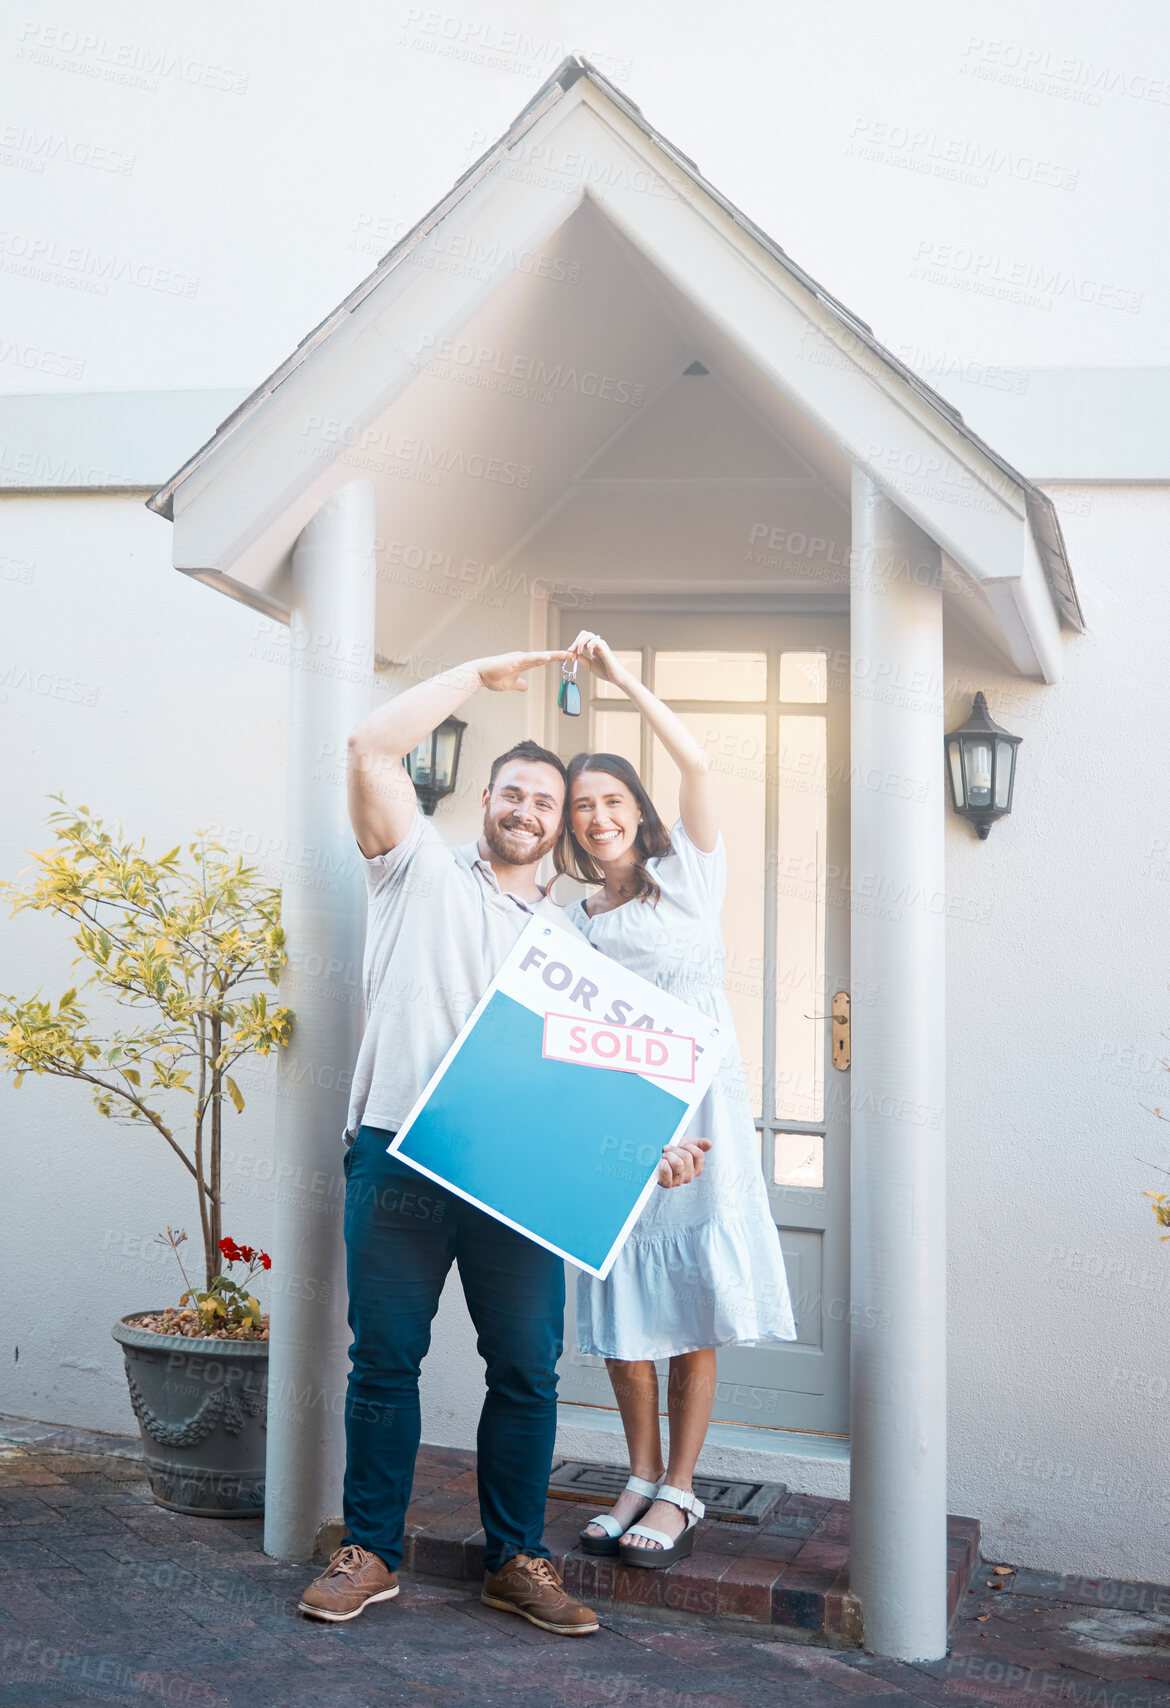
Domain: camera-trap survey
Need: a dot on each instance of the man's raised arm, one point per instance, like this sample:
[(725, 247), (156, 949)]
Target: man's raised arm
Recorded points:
[(382, 801)]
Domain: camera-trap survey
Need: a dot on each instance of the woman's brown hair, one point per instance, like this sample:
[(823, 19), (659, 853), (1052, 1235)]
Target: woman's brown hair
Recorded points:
[(652, 840)]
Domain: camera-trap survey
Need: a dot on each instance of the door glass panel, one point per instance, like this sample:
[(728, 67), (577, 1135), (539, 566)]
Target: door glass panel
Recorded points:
[(736, 743), (618, 732), (798, 1159), (804, 677), (711, 675), (606, 690), (800, 893)]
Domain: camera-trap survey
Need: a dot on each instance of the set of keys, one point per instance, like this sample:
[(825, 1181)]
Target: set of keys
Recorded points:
[(568, 694)]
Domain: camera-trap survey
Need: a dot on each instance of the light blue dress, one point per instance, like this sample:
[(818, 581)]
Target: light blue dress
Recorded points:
[(703, 1265)]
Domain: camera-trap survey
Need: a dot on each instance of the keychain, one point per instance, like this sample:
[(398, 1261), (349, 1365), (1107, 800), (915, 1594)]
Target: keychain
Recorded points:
[(569, 695)]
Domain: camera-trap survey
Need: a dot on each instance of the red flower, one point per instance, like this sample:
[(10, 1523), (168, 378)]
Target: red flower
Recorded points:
[(234, 1253)]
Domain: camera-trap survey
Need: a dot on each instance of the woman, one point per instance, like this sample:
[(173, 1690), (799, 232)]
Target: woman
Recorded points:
[(703, 1266)]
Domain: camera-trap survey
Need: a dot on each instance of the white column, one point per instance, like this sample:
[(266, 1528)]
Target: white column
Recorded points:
[(331, 653), (898, 1205)]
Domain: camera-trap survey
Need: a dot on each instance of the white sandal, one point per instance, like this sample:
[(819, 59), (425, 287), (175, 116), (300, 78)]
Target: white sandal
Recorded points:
[(670, 1548), (610, 1542)]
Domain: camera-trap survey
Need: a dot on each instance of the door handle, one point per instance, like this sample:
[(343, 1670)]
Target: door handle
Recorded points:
[(840, 1019), (841, 1030)]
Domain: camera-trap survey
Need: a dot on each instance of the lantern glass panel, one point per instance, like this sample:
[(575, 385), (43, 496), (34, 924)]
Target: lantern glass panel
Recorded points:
[(978, 758), (446, 741), (420, 762), (954, 754), (1005, 759)]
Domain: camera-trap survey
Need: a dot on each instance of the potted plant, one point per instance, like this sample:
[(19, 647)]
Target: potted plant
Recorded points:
[(181, 945)]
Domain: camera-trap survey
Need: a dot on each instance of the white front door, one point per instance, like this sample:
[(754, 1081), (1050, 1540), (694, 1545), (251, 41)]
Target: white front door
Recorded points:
[(761, 694)]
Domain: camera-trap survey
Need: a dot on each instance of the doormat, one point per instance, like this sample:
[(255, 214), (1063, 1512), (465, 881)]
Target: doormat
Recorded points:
[(734, 1503)]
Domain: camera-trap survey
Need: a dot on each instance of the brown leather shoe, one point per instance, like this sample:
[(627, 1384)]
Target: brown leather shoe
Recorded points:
[(533, 1589), (353, 1578)]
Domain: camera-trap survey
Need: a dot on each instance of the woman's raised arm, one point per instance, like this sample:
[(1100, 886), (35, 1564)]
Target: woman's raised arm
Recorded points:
[(696, 793)]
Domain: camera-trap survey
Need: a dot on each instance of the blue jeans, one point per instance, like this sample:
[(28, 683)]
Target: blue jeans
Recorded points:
[(401, 1233)]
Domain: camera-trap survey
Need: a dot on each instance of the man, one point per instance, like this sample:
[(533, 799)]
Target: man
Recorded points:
[(440, 922)]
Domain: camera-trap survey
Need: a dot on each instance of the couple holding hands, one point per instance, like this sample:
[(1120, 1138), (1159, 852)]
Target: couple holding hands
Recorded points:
[(702, 1267)]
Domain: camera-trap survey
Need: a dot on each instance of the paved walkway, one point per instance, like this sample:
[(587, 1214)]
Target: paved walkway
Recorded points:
[(105, 1597)]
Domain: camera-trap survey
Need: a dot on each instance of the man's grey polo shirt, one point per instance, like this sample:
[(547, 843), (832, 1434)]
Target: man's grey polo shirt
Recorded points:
[(437, 928)]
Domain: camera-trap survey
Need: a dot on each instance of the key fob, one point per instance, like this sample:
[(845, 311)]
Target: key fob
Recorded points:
[(568, 694)]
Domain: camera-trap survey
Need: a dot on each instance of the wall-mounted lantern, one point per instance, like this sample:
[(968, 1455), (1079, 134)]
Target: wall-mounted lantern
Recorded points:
[(981, 763), (434, 763)]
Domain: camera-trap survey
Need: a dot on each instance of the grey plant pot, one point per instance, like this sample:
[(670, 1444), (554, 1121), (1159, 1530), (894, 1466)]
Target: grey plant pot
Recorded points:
[(201, 1406)]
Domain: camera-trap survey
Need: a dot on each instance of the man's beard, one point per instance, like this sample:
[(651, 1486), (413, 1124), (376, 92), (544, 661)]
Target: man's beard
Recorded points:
[(511, 850)]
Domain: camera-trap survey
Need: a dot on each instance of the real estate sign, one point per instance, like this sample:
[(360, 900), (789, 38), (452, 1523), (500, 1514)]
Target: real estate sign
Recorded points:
[(552, 1108)]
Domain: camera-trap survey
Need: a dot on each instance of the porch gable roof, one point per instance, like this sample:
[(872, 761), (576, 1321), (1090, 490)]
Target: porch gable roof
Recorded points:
[(993, 523)]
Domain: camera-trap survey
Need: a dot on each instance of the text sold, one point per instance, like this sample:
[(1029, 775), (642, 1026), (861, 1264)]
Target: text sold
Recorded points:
[(625, 1049)]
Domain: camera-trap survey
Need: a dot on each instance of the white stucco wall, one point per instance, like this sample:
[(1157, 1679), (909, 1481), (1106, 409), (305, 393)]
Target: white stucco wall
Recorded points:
[(975, 186), (1058, 1005)]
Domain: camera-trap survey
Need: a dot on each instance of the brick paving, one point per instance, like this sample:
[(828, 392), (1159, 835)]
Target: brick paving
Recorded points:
[(106, 1597)]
